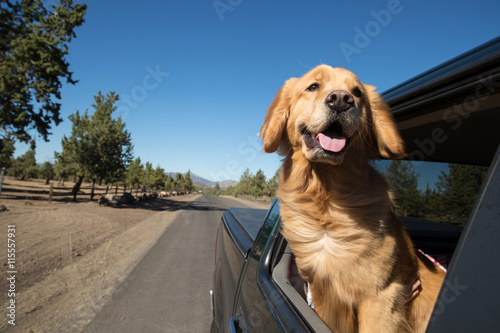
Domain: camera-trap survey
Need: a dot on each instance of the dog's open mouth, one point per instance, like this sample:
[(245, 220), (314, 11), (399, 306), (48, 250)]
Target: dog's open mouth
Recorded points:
[(332, 139)]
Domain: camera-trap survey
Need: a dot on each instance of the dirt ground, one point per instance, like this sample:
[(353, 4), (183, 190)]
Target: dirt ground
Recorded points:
[(70, 257)]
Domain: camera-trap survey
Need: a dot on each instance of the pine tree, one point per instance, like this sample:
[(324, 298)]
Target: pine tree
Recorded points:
[(24, 166), (178, 181), (33, 45), (272, 185), (244, 185), (111, 142), (99, 146), (159, 178), (47, 172), (134, 173), (77, 150), (62, 168), (188, 182), (7, 150), (169, 183), (403, 182), (148, 176), (258, 184), (459, 189)]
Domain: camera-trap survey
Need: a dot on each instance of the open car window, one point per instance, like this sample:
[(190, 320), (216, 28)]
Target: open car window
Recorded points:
[(433, 200)]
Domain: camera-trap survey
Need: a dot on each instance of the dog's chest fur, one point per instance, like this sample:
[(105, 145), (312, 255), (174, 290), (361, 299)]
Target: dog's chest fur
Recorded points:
[(336, 250), (340, 237)]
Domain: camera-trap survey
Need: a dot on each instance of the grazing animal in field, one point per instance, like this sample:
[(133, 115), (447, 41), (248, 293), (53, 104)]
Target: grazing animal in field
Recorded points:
[(107, 200)]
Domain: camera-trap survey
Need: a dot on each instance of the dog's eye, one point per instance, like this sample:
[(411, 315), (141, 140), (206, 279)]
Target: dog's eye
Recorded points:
[(313, 87), (356, 92)]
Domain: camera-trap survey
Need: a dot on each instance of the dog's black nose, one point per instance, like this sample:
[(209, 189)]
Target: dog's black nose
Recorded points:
[(339, 100)]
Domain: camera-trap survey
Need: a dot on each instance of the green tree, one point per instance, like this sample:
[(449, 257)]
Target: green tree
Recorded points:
[(24, 166), (245, 184), (7, 150), (230, 190), (77, 150), (33, 45), (169, 183), (272, 185), (99, 146), (258, 184), (431, 202), (178, 181), (188, 182), (111, 142), (134, 173), (62, 169), (249, 184), (459, 189), (404, 182), (47, 172), (148, 176), (159, 178)]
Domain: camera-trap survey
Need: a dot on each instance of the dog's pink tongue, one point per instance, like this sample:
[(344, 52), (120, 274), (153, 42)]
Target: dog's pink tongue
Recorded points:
[(333, 144)]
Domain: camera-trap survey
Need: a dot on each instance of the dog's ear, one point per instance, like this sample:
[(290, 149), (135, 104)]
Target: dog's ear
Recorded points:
[(277, 116), (386, 134)]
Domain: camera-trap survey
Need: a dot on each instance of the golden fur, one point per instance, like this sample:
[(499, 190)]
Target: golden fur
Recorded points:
[(337, 210)]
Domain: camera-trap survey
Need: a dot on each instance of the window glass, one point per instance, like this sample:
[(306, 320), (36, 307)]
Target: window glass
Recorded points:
[(439, 192)]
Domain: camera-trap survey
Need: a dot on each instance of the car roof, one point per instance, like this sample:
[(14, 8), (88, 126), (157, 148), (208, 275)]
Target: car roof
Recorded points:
[(451, 113)]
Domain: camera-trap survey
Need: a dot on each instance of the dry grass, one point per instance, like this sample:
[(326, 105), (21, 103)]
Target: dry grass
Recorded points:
[(70, 256)]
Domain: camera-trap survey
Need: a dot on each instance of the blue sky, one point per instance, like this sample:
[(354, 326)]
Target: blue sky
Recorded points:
[(195, 77)]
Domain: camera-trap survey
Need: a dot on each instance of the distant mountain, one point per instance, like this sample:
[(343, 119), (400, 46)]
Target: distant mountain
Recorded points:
[(226, 183), (200, 181)]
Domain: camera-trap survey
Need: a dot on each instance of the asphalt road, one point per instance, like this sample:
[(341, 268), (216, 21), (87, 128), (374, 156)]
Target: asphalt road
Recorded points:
[(168, 291)]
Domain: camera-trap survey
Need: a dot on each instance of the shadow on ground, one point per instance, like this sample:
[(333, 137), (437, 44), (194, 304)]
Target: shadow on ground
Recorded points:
[(165, 204)]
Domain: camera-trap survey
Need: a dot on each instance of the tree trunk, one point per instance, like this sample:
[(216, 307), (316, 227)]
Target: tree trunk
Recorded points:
[(92, 192), (76, 188)]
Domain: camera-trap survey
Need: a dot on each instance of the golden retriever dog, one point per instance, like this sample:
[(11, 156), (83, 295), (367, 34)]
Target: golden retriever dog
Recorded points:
[(337, 210)]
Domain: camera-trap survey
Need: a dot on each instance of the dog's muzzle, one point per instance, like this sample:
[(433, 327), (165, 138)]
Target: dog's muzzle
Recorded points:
[(339, 101)]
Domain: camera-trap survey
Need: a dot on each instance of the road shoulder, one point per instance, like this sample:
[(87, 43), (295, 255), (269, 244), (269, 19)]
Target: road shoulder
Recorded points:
[(68, 298)]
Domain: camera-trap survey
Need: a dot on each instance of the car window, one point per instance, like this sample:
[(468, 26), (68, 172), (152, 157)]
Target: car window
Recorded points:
[(423, 192), (438, 192)]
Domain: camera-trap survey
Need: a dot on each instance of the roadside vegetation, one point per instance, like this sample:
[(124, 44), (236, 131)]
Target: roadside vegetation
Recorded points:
[(250, 185), (34, 43), (450, 200)]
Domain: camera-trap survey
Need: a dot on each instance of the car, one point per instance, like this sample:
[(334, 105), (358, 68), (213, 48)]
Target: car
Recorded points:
[(448, 114)]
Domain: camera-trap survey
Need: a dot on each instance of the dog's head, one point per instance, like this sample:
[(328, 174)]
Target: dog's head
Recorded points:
[(327, 114)]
